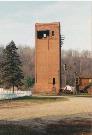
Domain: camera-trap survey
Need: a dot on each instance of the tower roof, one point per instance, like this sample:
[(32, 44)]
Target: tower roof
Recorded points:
[(52, 23)]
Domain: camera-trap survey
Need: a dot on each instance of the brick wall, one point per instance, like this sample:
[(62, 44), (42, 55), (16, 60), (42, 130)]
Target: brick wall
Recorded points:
[(47, 59)]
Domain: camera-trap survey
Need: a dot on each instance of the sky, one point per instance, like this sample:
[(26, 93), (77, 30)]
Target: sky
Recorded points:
[(17, 22)]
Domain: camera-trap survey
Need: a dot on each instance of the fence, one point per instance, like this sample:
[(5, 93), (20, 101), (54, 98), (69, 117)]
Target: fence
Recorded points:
[(8, 94)]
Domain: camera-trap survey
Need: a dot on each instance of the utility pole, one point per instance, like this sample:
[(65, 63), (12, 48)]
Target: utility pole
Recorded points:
[(65, 70), (77, 84), (80, 66)]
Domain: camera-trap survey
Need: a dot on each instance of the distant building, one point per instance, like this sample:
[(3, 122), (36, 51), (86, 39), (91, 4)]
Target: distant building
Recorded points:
[(84, 81), (47, 58), (85, 84)]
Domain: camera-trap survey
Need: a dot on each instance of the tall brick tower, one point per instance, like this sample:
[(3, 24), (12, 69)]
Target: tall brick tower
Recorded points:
[(47, 58)]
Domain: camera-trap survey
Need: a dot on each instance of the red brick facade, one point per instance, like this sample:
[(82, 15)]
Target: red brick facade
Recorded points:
[(47, 58), (84, 81)]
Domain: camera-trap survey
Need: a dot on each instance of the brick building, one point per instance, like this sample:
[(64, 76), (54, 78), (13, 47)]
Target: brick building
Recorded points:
[(47, 58), (85, 82)]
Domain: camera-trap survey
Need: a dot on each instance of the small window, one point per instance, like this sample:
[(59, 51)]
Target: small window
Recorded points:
[(53, 81), (53, 33), (39, 34)]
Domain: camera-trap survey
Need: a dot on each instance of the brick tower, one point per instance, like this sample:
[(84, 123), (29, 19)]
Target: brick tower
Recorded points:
[(47, 58)]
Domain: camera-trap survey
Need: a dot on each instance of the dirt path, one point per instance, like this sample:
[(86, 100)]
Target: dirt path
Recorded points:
[(16, 111)]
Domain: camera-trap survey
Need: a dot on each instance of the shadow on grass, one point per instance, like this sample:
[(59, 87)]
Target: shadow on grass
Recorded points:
[(38, 126)]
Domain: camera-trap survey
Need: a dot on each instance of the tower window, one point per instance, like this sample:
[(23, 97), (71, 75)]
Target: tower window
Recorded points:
[(53, 81), (42, 34), (53, 33)]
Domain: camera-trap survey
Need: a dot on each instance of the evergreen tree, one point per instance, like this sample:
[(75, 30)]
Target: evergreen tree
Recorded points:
[(12, 74)]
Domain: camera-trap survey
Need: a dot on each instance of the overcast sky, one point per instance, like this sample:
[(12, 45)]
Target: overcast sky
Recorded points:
[(17, 22)]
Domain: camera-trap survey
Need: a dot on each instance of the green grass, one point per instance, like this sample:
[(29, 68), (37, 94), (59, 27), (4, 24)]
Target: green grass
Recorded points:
[(83, 95), (78, 95), (41, 98), (36, 99)]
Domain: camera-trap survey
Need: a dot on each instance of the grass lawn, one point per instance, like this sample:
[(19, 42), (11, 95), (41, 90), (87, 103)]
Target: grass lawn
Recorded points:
[(37, 99), (46, 115), (78, 95), (43, 98)]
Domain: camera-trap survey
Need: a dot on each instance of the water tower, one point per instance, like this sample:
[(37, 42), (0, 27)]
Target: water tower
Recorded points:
[(47, 58)]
